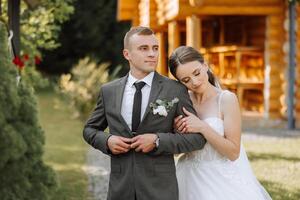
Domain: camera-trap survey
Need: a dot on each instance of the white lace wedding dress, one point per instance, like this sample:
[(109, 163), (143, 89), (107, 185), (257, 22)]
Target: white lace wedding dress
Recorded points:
[(207, 175)]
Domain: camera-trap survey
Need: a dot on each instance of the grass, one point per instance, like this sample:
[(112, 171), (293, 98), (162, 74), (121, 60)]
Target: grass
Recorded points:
[(276, 163), (65, 150)]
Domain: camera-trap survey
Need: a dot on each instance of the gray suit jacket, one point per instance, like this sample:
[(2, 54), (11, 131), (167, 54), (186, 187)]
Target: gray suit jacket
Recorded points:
[(149, 176)]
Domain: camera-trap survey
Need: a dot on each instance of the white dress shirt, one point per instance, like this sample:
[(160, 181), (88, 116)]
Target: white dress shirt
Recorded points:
[(128, 96)]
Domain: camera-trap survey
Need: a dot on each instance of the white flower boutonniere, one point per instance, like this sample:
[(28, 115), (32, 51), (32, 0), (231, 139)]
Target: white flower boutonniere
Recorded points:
[(162, 107)]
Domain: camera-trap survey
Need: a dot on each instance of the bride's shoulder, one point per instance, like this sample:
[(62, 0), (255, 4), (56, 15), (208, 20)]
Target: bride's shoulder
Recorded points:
[(228, 98)]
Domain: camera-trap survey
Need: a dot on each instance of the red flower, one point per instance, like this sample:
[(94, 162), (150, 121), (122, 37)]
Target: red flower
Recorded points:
[(21, 65), (37, 60), (17, 60), (26, 57)]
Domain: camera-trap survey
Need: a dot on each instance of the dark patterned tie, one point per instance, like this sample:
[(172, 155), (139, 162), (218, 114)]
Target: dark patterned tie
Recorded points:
[(137, 104)]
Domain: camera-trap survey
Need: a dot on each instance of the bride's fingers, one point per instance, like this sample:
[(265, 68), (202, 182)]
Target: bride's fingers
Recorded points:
[(177, 119), (184, 130), (181, 127), (179, 123)]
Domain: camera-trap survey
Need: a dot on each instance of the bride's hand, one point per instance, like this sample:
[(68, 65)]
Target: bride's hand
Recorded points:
[(179, 124), (192, 123)]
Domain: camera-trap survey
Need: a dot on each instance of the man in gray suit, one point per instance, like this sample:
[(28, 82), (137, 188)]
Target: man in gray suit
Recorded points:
[(139, 110)]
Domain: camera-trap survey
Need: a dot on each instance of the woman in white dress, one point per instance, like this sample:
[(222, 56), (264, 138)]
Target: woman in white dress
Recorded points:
[(221, 170)]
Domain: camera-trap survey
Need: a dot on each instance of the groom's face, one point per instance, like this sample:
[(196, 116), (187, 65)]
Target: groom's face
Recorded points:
[(142, 53)]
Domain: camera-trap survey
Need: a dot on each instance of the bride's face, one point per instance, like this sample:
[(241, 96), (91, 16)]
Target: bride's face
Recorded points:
[(193, 75)]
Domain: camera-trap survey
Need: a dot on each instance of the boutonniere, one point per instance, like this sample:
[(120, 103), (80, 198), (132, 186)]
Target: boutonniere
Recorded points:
[(162, 107)]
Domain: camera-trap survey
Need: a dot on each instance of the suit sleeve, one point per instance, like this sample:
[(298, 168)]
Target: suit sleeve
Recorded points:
[(93, 132), (173, 143)]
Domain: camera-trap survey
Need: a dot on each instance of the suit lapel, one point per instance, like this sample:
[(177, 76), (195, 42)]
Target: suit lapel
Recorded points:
[(119, 97), (155, 90)]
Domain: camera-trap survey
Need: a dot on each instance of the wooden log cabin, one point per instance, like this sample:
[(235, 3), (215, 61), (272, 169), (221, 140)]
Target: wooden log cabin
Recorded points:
[(245, 43)]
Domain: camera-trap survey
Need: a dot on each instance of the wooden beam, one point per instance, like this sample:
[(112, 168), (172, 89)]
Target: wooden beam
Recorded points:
[(125, 9), (153, 15), (173, 38), (275, 65), (171, 10), (180, 12), (147, 13), (231, 10), (162, 67), (144, 12), (160, 13), (193, 32), (127, 4), (198, 3), (125, 15), (136, 20)]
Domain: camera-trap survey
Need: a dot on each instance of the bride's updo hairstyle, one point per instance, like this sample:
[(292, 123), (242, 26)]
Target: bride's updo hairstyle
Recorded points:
[(185, 54)]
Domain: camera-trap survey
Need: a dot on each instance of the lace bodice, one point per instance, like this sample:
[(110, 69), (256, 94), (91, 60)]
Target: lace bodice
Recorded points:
[(208, 153)]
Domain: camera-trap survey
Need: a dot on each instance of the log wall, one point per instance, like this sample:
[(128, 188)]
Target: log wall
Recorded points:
[(275, 65)]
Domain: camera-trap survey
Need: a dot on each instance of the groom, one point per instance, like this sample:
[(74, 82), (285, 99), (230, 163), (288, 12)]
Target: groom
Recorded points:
[(139, 110)]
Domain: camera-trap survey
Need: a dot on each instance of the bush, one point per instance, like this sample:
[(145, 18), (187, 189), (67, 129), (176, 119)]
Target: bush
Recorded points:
[(23, 175), (26, 65), (83, 84), (34, 78)]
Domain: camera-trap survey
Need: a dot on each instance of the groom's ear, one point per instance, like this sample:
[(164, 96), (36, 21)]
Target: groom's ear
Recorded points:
[(126, 54)]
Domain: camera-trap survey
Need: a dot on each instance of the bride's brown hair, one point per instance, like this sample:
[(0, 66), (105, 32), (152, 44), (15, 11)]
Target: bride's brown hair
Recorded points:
[(185, 54)]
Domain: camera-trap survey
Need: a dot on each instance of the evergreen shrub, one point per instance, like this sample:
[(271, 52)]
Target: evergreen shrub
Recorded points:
[(23, 175)]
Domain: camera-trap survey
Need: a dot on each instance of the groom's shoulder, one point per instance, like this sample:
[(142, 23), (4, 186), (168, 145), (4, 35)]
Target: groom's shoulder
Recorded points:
[(171, 82), (111, 84), (108, 87)]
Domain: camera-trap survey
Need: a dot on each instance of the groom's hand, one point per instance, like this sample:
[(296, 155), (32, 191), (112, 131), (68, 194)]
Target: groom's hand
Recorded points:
[(144, 143), (118, 144)]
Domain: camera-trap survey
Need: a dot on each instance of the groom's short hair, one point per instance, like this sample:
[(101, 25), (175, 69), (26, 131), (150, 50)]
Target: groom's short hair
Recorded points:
[(140, 30)]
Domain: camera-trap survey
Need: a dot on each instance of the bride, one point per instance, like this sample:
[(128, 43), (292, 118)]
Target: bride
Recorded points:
[(221, 170)]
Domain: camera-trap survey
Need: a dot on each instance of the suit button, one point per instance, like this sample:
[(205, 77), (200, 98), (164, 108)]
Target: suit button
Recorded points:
[(134, 133)]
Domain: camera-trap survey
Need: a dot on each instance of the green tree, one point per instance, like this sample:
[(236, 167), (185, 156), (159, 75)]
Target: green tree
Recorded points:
[(23, 175), (93, 32), (40, 26)]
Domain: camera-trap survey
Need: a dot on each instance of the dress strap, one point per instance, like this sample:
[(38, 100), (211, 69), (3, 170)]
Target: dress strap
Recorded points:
[(219, 102)]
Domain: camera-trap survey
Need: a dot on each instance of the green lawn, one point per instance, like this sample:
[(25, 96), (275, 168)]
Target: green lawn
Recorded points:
[(276, 163), (65, 150)]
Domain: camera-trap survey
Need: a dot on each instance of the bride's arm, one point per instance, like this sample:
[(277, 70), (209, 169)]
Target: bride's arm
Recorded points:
[(229, 145)]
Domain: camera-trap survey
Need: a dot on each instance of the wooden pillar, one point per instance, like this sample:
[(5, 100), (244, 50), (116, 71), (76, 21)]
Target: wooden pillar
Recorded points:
[(14, 23), (173, 39), (144, 13), (297, 86), (193, 32), (136, 18), (275, 82), (162, 67)]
